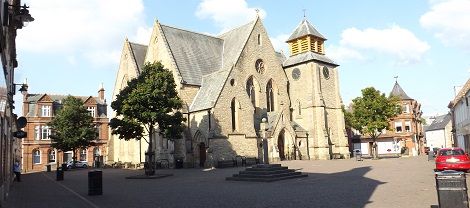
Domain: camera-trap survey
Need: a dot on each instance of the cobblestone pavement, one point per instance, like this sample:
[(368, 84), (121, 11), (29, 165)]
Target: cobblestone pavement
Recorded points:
[(395, 182)]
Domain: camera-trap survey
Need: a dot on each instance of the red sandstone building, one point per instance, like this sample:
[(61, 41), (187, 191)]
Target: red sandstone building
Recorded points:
[(40, 109)]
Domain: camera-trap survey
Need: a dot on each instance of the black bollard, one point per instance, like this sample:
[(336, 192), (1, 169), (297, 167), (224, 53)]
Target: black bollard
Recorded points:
[(60, 174)]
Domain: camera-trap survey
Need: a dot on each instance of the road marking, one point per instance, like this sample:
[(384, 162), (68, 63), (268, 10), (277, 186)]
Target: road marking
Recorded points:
[(71, 191)]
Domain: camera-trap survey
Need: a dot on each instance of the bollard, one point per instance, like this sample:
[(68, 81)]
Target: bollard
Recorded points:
[(59, 174), (48, 168), (451, 189), (95, 182)]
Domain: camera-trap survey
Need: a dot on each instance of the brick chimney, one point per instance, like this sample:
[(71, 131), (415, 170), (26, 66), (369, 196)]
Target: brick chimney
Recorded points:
[(101, 92)]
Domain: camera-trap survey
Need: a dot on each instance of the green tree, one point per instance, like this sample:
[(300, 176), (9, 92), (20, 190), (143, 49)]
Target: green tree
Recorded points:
[(72, 127), (148, 101), (371, 113)]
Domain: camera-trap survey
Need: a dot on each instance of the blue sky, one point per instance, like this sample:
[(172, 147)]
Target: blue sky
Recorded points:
[(73, 46)]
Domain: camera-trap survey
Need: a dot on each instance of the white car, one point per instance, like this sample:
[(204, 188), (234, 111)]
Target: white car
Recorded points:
[(77, 164)]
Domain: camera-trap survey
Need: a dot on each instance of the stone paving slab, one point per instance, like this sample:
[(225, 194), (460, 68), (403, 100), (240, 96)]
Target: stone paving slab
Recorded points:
[(386, 183)]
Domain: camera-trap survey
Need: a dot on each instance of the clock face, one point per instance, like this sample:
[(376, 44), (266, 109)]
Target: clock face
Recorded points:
[(296, 73), (326, 72)]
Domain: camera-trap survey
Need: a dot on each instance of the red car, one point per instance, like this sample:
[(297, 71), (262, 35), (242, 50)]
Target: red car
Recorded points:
[(452, 159)]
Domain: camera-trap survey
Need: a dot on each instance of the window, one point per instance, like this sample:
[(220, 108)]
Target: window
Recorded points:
[(45, 133), (83, 155), (259, 39), (36, 156), (233, 108), (406, 108), (270, 96), (51, 156), (91, 110), (250, 90), (3, 104), (259, 66), (407, 126), (398, 127), (98, 129), (46, 111), (300, 108), (37, 134)]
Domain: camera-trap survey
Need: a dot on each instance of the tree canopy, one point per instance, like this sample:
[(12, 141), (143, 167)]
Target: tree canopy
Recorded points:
[(371, 113), (149, 100), (72, 127)]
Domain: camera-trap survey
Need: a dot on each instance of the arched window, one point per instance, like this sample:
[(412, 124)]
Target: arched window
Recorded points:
[(270, 96), (250, 90), (83, 155), (234, 110), (259, 39), (51, 156), (36, 156)]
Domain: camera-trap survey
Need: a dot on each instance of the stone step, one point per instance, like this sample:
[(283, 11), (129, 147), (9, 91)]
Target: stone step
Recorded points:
[(274, 175), (265, 179), (266, 168), (267, 172)]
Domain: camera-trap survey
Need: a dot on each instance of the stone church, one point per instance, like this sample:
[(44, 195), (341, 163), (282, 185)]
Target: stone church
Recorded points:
[(234, 84)]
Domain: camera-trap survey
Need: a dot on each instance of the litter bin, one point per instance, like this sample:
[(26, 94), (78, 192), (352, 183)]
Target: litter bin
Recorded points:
[(48, 168), (59, 174), (178, 163), (95, 182), (451, 189), (357, 154)]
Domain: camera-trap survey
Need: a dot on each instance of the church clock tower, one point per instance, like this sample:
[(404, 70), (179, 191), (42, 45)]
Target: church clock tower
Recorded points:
[(314, 93)]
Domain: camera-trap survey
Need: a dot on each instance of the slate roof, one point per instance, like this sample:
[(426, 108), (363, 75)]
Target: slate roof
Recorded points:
[(399, 92), (195, 54), (57, 102), (233, 43), (461, 94), (307, 56), (138, 52), (439, 123), (303, 29)]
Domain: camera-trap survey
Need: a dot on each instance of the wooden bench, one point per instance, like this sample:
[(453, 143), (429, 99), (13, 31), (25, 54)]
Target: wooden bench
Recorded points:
[(337, 156), (226, 163)]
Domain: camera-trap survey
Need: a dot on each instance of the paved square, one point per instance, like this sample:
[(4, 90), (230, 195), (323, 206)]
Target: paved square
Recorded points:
[(397, 182)]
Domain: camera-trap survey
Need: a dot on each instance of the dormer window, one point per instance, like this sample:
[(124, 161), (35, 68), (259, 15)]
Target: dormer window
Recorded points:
[(46, 111), (91, 110)]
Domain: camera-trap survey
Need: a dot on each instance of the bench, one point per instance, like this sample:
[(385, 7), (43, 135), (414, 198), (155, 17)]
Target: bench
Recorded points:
[(337, 156), (226, 163), (250, 161)]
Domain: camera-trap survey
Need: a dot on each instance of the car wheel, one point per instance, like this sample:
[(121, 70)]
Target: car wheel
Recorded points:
[(85, 166)]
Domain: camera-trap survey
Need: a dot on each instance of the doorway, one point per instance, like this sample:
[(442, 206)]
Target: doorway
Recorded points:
[(202, 154), (280, 146)]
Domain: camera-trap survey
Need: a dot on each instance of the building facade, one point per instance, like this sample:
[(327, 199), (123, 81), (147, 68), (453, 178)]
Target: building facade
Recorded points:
[(40, 109), (439, 133), (460, 111), (232, 83), (406, 136), (11, 16)]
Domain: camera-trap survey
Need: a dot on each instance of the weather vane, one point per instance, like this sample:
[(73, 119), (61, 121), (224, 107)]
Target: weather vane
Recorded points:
[(396, 78), (304, 12), (257, 11)]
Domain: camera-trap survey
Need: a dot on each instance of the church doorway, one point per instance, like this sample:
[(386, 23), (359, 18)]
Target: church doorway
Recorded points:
[(281, 145), (202, 154)]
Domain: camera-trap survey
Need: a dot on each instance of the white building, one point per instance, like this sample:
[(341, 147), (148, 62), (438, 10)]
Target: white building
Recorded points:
[(439, 132), (460, 112)]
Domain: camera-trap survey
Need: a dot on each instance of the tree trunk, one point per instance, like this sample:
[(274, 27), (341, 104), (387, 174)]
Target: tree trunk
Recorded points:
[(150, 168), (375, 154)]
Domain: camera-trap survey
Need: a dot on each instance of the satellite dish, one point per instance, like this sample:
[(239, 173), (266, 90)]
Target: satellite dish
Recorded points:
[(21, 122)]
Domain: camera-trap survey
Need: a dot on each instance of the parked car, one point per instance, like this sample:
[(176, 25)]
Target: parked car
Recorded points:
[(77, 164), (452, 159)]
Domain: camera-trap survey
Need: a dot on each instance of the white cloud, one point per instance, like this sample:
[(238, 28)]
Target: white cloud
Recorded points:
[(142, 36), (394, 41), (279, 43), (81, 27), (227, 13), (343, 53), (449, 21)]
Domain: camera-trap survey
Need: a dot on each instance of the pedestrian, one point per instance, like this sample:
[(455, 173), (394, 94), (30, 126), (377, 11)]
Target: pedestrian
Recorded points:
[(17, 171)]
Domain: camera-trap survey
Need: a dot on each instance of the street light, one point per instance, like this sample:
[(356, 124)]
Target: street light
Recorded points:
[(23, 89), (16, 15)]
